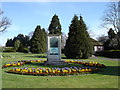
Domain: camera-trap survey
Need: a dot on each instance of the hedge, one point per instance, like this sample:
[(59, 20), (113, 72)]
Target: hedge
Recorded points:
[(8, 49), (109, 53)]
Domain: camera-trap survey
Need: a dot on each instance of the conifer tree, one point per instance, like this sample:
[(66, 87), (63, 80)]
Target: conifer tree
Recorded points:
[(86, 43), (9, 43), (113, 41), (111, 33), (38, 41), (43, 39), (78, 44), (55, 26)]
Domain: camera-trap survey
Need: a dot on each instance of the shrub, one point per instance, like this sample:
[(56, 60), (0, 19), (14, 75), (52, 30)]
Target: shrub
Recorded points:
[(25, 50), (8, 49), (109, 53)]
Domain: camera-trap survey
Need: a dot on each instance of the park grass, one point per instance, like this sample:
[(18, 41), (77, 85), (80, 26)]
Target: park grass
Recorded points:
[(106, 79)]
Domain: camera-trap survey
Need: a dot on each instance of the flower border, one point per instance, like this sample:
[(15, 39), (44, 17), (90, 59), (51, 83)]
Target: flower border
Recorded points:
[(93, 68)]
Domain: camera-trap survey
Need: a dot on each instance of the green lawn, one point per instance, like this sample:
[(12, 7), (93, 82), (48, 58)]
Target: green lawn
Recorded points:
[(106, 79)]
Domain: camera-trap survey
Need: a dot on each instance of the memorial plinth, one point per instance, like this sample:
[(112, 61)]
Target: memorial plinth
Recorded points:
[(54, 50)]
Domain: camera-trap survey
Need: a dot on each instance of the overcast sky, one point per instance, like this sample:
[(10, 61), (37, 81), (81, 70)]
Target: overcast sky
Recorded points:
[(26, 16)]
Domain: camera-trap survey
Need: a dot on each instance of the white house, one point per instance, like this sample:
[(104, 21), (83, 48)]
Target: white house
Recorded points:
[(97, 45)]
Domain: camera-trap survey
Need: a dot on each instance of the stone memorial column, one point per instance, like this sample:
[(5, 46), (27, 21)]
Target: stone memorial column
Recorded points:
[(54, 49)]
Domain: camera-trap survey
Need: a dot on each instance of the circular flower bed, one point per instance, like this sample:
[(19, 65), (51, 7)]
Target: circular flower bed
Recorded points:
[(92, 68), (22, 62)]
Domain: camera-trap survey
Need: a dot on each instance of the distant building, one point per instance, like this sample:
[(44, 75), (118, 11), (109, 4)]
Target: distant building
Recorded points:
[(97, 45)]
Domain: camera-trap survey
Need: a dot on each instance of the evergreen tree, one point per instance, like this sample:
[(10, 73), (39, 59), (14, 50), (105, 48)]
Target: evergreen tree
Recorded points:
[(78, 44), (86, 45), (23, 39), (55, 26), (17, 45), (111, 33), (69, 47), (37, 42), (44, 40), (113, 41), (9, 43)]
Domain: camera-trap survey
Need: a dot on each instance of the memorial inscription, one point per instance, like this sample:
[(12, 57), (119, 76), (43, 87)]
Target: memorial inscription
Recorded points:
[(53, 46)]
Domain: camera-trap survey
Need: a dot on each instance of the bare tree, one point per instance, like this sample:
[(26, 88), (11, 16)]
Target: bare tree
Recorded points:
[(102, 38), (64, 38), (4, 22), (111, 17)]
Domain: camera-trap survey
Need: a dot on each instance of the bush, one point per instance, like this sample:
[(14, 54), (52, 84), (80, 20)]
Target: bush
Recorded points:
[(109, 53), (25, 50), (8, 49)]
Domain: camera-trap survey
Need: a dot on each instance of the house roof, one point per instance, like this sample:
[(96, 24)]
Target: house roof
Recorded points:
[(96, 43)]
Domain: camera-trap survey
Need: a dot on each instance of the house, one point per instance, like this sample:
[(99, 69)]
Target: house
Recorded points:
[(97, 45)]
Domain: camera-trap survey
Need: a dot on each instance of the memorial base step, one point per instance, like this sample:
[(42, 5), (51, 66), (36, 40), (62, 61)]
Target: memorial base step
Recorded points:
[(55, 63)]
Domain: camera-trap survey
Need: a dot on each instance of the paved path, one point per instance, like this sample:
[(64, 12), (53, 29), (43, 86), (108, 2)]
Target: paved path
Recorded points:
[(104, 58)]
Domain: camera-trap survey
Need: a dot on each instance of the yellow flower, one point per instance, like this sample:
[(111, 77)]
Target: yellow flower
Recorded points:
[(40, 71), (18, 63), (8, 64), (46, 71), (53, 71), (32, 61), (23, 70), (50, 70), (90, 69), (30, 70), (83, 70), (96, 62), (39, 60), (65, 70), (37, 71), (26, 71), (58, 71), (14, 64), (18, 69)]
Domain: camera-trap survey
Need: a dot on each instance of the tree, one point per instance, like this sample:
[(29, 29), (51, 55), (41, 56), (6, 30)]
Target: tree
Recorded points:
[(111, 17), (102, 39), (113, 41), (9, 43), (63, 40), (37, 42), (78, 44), (44, 40), (111, 33), (17, 45), (4, 22), (31, 34), (21, 48), (55, 26), (24, 39)]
